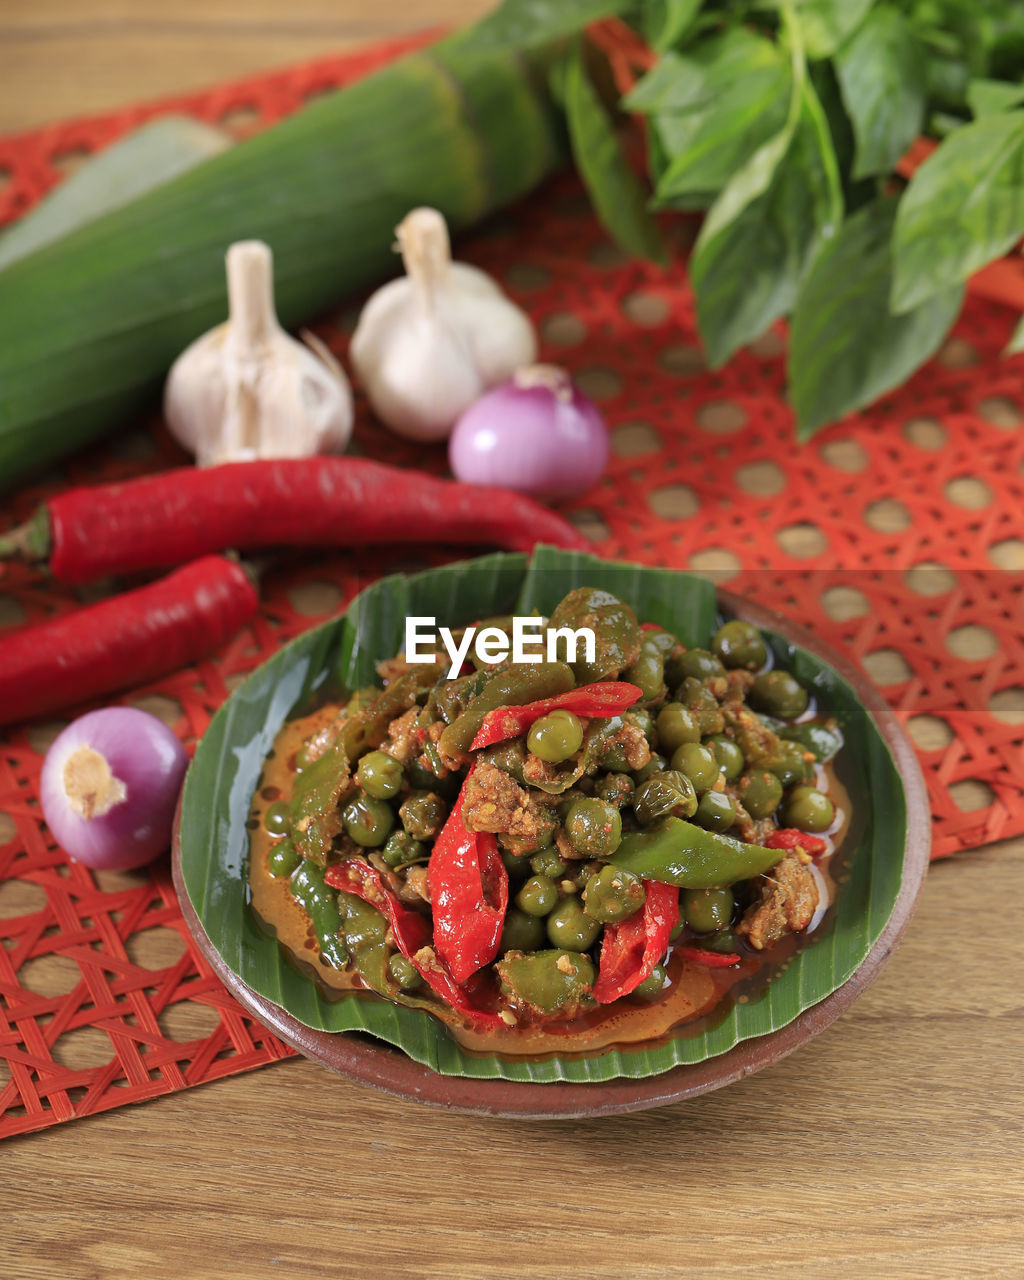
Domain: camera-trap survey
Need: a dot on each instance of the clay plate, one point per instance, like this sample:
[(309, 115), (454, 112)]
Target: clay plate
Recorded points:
[(371, 1062)]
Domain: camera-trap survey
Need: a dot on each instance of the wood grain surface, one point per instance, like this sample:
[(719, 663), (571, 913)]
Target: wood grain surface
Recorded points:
[(889, 1146)]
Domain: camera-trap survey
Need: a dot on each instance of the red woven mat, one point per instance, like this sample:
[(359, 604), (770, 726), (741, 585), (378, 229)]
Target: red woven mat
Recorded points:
[(896, 535)]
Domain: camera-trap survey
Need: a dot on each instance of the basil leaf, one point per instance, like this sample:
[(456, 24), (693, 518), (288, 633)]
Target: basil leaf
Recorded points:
[(676, 19), (523, 23), (763, 230), (826, 23), (731, 96), (989, 97), (1016, 342), (694, 81), (963, 207), (619, 198), (881, 76), (845, 347)]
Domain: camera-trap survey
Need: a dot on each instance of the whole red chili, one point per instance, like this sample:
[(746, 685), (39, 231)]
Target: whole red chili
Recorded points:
[(411, 934), (125, 640), (630, 950), (595, 700), (173, 517), (468, 887)]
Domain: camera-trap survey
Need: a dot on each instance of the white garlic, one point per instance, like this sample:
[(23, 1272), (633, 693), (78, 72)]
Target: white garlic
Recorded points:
[(429, 344), (247, 389)]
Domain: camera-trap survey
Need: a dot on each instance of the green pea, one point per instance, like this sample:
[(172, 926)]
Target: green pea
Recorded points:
[(706, 910), (555, 737), (278, 818), (283, 859), (656, 764), (702, 704), (653, 985), (538, 896), (403, 972), (808, 809), (729, 756), (522, 932), (699, 663), (760, 793), (578, 873), (675, 725), (698, 763), (423, 814), (594, 828), (715, 812), (613, 894), (779, 694), (740, 644), (570, 928), (789, 766), (663, 794), (401, 850), (724, 941), (517, 866), (648, 672), (379, 775), (368, 821), (614, 788), (548, 862)]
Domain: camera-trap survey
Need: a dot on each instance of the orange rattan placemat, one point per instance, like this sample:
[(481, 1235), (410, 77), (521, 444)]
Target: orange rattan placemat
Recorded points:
[(896, 535)]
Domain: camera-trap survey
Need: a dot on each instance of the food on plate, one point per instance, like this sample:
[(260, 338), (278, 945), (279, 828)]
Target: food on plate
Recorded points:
[(558, 854)]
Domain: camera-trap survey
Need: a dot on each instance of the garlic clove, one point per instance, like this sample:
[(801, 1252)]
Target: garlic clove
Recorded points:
[(429, 344), (247, 389)]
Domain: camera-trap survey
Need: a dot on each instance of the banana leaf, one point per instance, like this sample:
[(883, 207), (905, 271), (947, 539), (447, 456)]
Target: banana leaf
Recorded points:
[(228, 760)]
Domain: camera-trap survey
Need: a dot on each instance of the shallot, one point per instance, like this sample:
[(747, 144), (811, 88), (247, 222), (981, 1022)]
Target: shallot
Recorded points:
[(109, 786), (537, 433)]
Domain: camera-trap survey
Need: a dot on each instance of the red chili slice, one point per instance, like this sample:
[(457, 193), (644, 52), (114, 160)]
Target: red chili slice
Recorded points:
[(468, 887), (597, 701), (709, 959), (791, 838), (629, 951), (411, 933)]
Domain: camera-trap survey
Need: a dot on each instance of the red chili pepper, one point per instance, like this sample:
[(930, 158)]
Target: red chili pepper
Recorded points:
[(173, 517), (790, 838), (125, 640), (608, 698), (468, 887), (629, 951), (411, 933), (710, 959)]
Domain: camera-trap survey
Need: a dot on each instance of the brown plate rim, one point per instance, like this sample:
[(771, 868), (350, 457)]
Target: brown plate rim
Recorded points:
[(388, 1070)]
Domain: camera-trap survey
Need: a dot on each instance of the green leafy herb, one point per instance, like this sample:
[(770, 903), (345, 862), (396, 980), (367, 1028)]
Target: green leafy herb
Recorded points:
[(619, 198), (532, 22), (881, 75), (964, 207), (787, 121), (845, 346)]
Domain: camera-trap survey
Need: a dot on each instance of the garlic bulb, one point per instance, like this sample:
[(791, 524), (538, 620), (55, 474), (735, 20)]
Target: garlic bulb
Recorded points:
[(246, 389), (429, 344)]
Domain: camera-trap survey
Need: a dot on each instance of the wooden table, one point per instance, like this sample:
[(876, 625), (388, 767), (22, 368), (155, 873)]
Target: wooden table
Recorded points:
[(889, 1146)]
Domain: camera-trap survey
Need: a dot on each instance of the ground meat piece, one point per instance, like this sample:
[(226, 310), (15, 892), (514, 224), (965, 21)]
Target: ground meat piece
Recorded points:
[(789, 896), (492, 801), (415, 886), (403, 741), (635, 747), (751, 830), (754, 738), (738, 682)]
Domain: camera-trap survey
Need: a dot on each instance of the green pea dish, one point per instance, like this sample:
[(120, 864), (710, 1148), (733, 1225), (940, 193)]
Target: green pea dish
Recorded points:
[(597, 878)]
